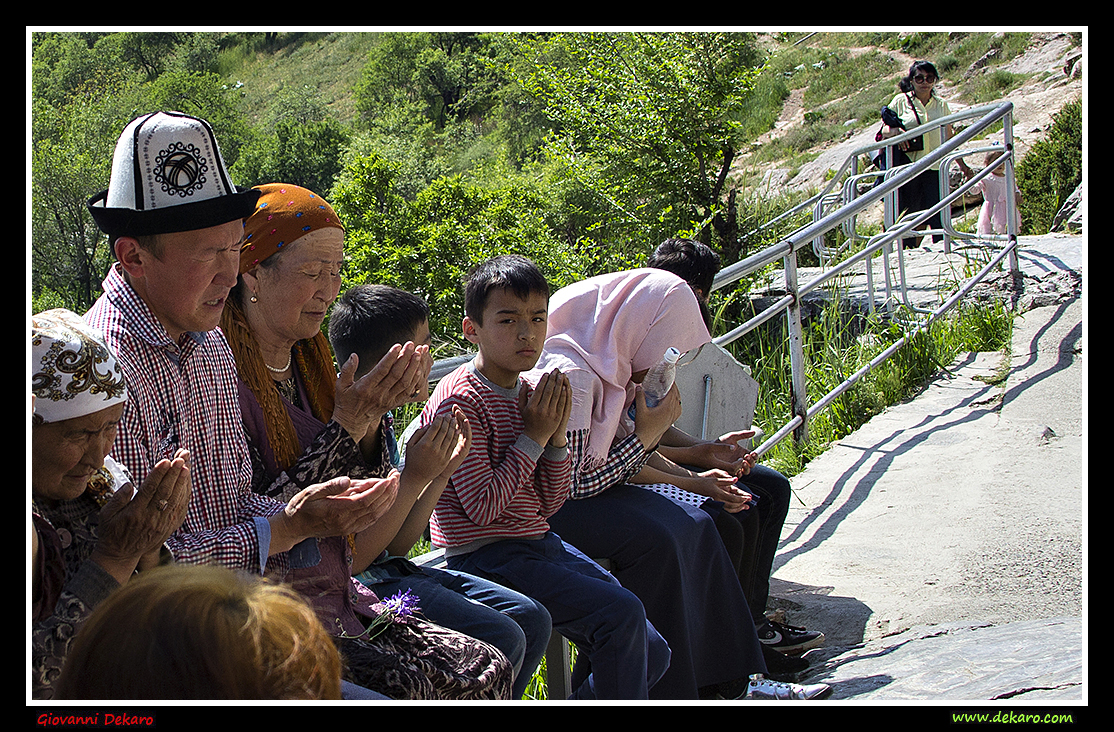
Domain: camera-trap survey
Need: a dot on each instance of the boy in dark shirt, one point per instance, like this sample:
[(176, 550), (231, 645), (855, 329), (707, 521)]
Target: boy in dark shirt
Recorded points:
[(369, 320)]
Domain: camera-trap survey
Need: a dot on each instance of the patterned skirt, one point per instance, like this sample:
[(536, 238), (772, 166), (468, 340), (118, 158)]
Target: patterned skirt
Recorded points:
[(415, 659), (407, 657)]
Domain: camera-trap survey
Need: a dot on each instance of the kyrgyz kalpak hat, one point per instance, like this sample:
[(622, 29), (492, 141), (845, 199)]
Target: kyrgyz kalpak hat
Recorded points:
[(168, 176)]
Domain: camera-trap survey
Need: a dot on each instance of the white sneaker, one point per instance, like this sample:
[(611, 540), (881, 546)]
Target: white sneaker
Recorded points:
[(762, 688)]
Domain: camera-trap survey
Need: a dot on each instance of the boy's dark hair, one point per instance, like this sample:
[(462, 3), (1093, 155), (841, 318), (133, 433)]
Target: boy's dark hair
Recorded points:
[(694, 262), (368, 319), (509, 271)]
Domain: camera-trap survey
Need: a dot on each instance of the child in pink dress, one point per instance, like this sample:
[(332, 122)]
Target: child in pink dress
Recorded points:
[(994, 212)]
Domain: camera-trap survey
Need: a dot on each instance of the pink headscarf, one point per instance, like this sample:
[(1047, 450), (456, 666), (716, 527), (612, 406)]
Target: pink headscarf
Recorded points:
[(603, 329)]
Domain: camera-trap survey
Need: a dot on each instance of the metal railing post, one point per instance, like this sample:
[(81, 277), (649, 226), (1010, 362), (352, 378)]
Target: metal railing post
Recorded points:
[(798, 383), (707, 406), (1011, 200)]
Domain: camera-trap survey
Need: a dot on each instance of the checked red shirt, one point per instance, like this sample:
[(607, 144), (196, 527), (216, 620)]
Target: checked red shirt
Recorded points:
[(184, 395)]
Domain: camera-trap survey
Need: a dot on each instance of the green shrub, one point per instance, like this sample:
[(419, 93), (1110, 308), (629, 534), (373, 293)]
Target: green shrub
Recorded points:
[(992, 86), (48, 300), (1051, 170)]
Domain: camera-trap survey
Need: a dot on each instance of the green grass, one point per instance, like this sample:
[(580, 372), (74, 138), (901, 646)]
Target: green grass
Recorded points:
[(329, 64), (992, 86), (837, 346)]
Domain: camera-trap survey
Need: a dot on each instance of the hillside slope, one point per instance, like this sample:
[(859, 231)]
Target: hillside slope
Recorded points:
[(1056, 79)]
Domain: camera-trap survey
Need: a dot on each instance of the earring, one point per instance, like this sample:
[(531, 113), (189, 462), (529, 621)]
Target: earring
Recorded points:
[(253, 298)]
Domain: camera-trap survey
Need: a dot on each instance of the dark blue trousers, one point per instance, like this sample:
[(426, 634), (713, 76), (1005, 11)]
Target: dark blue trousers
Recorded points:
[(588, 606)]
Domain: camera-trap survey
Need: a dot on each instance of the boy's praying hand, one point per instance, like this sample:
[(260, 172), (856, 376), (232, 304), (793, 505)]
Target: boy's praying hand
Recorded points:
[(546, 408), (433, 454)]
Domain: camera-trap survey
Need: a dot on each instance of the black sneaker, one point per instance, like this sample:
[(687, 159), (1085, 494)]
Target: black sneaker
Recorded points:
[(788, 638), (780, 666)]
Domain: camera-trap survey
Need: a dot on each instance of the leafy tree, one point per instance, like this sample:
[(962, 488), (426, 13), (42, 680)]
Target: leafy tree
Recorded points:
[(385, 81), (305, 154), (146, 51), (365, 196), (428, 244), (442, 75), (650, 122), (71, 153), (517, 120), (417, 156), (64, 64), (197, 52)]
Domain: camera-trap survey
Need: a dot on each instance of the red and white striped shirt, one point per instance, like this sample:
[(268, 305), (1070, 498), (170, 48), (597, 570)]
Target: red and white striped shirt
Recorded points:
[(508, 485), (184, 395)]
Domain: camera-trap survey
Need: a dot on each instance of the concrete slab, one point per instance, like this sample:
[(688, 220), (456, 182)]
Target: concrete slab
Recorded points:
[(1023, 662), (926, 270), (940, 546)]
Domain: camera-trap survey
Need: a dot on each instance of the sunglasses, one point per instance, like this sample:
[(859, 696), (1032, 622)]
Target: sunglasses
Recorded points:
[(921, 78)]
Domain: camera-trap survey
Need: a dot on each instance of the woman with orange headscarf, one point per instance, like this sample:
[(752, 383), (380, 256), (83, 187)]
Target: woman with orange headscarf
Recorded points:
[(304, 421)]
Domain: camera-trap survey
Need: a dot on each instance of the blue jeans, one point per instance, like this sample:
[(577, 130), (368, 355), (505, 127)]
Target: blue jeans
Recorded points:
[(515, 624), (588, 606)]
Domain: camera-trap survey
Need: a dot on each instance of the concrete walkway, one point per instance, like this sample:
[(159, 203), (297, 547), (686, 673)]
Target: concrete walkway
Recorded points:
[(941, 546)]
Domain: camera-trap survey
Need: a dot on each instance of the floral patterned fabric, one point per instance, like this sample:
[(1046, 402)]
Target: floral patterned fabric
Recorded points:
[(72, 584)]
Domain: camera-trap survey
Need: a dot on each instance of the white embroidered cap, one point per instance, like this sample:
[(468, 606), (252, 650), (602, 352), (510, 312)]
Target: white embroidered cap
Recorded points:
[(73, 371)]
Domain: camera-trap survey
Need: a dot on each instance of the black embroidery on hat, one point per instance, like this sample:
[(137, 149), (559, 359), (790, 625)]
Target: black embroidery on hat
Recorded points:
[(181, 169)]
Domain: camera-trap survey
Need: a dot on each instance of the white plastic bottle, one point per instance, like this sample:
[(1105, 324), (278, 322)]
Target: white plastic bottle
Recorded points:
[(659, 379)]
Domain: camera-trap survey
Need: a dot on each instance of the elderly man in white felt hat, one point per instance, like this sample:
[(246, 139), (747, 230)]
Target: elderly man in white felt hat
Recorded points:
[(176, 224), (170, 202)]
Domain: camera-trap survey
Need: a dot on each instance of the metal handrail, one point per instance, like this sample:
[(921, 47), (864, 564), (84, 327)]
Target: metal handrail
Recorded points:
[(786, 249), (987, 115), (892, 180)]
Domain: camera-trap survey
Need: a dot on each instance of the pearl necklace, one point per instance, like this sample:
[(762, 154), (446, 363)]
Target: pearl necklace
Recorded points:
[(273, 370)]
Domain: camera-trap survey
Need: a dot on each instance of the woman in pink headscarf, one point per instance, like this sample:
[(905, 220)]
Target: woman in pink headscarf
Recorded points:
[(604, 334)]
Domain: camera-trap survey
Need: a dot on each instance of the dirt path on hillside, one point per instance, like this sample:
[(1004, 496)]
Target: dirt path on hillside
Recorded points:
[(793, 111)]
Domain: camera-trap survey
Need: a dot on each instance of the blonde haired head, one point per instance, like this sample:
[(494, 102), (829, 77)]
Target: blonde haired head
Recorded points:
[(201, 632)]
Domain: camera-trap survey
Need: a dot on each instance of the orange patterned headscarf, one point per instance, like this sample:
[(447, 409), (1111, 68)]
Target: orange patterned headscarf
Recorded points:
[(284, 214)]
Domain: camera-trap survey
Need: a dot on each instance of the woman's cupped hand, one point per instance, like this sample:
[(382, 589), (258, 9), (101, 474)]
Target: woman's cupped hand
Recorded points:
[(400, 375)]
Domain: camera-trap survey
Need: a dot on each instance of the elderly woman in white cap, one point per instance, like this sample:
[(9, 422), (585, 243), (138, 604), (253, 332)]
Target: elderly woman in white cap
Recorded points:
[(91, 530)]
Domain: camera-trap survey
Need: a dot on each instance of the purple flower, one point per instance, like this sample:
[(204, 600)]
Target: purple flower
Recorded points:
[(402, 604), (395, 608)]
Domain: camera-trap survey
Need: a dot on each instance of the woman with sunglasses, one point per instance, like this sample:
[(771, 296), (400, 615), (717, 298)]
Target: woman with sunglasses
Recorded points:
[(918, 104)]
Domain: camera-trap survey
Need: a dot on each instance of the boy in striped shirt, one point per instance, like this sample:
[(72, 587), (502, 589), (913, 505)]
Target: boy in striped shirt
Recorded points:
[(492, 517)]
